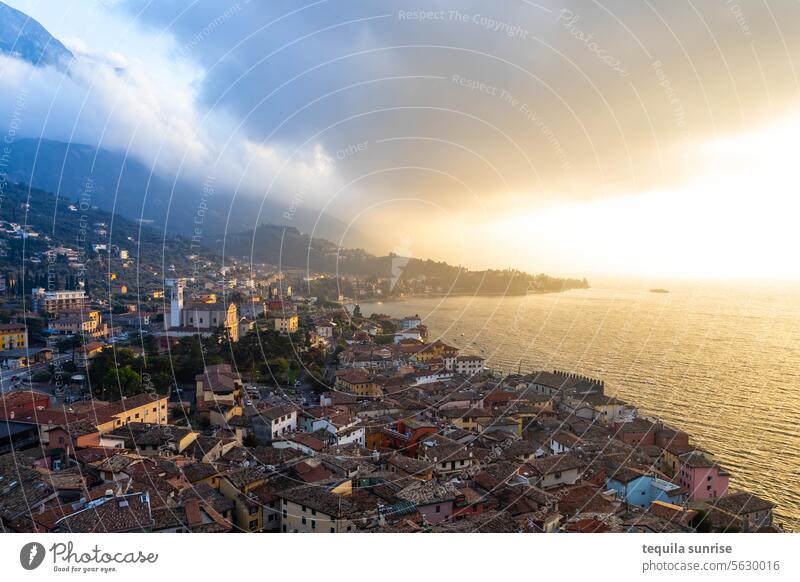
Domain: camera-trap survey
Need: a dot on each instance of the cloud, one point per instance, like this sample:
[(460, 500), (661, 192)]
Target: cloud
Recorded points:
[(564, 99), (387, 108), (109, 102)]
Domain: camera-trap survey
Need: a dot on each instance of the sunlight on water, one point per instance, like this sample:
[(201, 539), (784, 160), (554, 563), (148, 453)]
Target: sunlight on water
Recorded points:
[(721, 363)]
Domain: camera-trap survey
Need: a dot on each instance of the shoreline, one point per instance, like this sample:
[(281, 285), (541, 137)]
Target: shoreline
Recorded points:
[(462, 294)]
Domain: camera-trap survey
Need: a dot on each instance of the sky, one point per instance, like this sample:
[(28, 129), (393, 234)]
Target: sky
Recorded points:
[(578, 138)]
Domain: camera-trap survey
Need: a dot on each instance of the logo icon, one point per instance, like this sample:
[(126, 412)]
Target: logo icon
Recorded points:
[(31, 555)]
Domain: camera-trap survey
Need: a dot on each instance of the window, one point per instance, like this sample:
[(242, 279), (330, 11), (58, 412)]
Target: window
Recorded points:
[(438, 509), (333, 530), (313, 524), (304, 521)]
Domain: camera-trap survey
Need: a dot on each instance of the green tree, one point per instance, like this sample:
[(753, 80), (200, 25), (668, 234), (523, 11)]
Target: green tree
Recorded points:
[(122, 382)]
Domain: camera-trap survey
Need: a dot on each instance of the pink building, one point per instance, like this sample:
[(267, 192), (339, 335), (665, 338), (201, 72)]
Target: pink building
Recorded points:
[(702, 477), (434, 501)]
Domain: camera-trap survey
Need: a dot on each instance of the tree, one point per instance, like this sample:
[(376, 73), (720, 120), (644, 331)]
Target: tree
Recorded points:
[(149, 345), (122, 380), (279, 369), (41, 376)]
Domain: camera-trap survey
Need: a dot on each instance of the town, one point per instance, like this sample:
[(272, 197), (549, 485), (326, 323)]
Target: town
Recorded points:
[(241, 402)]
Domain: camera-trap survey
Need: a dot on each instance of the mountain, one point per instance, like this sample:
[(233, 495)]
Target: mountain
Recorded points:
[(33, 221), (123, 185), (290, 248), (119, 183), (24, 38)]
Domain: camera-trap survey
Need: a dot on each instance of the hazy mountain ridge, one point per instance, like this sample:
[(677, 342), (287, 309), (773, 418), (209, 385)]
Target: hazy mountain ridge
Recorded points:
[(24, 38), (288, 247)]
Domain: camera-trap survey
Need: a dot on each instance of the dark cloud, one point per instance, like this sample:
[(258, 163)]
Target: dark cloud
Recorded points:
[(573, 98)]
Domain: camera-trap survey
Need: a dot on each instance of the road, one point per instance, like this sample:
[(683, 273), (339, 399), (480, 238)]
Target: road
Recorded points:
[(6, 384)]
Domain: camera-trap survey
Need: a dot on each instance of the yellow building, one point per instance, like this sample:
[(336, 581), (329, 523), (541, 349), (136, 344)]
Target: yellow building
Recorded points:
[(202, 316), (285, 323), (243, 487), (314, 509), (218, 384), (436, 350), (360, 384), (77, 321), (152, 440), (144, 408), (13, 336)]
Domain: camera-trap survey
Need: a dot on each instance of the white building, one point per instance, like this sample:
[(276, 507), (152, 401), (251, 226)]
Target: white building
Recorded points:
[(284, 420), (175, 300), (413, 333), (409, 322), (468, 365)]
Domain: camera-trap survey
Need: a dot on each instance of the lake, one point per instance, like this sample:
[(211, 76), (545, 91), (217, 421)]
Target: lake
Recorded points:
[(721, 362)]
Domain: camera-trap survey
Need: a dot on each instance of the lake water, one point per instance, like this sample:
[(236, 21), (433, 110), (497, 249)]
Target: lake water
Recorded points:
[(720, 362)]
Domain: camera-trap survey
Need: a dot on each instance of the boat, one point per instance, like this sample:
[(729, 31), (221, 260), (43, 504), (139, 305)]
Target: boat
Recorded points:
[(659, 290)]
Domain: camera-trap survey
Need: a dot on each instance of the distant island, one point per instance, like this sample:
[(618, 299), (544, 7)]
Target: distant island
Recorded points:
[(659, 290)]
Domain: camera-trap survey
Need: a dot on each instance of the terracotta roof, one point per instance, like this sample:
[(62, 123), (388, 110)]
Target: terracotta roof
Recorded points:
[(124, 513), (320, 499)]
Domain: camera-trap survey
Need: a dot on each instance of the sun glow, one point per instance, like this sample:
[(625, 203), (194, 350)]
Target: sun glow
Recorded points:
[(737, 218)]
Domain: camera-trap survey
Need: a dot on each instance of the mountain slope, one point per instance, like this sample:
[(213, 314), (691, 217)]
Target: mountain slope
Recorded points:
[(26, 39), (122, 184), (127, 187), (289, 247)]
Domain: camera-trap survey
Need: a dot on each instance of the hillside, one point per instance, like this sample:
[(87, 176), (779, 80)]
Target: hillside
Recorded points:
[(24, 38), (291, 248), (123, 184), (33, 221)]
